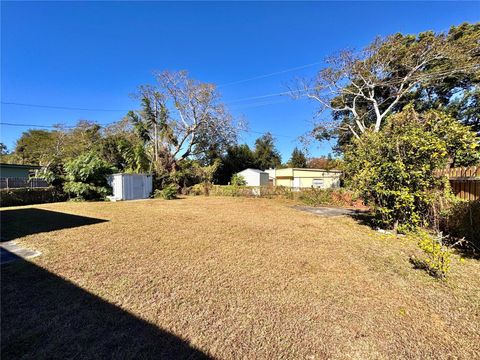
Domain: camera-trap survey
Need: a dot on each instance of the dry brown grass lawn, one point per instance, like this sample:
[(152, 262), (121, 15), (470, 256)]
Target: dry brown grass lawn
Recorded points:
[(232, 278)]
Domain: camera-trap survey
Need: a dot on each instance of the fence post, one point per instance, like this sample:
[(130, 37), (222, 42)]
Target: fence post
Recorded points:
[(7, 182)]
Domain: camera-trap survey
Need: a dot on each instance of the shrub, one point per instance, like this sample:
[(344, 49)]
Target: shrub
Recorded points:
[(251, 191), (230, 190), (394, 169), (312, 197), (281, 192), (197, 189), (437, 256), (28, 196), (332, 197), (462, 220), (238, 180), (169, 192), (86, 177)]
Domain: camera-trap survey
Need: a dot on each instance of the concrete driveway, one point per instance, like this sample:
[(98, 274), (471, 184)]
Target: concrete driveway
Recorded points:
[(328, 211), (10, 251)]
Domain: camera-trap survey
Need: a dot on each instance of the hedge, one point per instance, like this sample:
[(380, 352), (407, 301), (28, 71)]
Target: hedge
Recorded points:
[(28, 196), (310, 196)]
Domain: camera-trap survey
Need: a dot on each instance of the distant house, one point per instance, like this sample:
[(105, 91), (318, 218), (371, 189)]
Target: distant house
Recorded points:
[(19, 176), (299, 178), (17, 171), (254, 177)]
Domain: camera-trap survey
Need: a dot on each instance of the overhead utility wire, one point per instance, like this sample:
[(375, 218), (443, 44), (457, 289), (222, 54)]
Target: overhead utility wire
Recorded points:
[(38, 126), (105, 125), (58, 107), (270, 74)]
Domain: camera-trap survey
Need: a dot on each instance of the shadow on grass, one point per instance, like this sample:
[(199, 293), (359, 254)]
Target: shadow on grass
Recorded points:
[(464, 248), (21, 222), (47, 317), (365, 218), (467, 250)]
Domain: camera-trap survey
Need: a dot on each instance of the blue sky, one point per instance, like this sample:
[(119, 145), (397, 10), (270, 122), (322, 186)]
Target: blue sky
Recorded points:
[(94, 54)]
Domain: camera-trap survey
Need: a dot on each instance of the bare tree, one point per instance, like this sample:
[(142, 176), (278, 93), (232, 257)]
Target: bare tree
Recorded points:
[(365, 87), (183, 117)]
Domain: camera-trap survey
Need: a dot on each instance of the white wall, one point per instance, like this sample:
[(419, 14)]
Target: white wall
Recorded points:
[(130, 186), (254, 178)]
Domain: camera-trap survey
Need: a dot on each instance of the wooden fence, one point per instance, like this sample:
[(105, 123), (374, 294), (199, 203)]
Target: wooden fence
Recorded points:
[(465, 182), (21, 182)]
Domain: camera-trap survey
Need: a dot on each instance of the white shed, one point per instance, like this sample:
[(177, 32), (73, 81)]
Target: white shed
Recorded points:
[(130, 186), (254, 177)]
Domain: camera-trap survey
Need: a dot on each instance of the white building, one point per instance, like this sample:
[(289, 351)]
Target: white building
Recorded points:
[(130, 186), (303, 178), (254, 177)]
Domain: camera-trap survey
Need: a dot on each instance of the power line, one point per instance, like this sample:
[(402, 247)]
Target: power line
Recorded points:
[(105, 125), (59, 126), (125, 110), (271, 74), (60, 107), (259, 104), (264, 132), (33, 125), (259, 97)]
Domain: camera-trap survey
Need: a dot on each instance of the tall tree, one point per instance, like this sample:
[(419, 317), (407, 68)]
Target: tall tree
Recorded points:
[(266, 154), (325, 162), (188, 118), (360, 89), (85, 136), (123, 148), (298, 159), (235, 159), (35, 146)]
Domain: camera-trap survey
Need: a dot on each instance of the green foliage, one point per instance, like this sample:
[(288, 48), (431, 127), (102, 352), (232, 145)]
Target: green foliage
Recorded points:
[(437, 256), (236, 158), (394, 169), (325, 162), (266, 154), (35, 146), (28, 196), (190, 172), (238, 180), (462, 221), (330, 197), (241, 157), (53, 148), (86, 177), (268, 192), (229, 190), (429, 70), (126, 155), (298, 159), (169, 192), (84, 137)]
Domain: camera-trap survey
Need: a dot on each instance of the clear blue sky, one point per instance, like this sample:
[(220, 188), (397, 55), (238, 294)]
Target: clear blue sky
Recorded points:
[(93, 55)]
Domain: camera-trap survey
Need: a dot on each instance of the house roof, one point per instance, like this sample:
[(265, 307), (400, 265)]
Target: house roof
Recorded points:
[(324, 170), (255, 170), (310, 169), (19, 166)]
